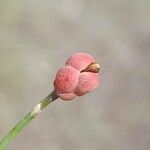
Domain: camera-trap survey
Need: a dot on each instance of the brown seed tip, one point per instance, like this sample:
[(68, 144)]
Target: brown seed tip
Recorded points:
[(93, 67)]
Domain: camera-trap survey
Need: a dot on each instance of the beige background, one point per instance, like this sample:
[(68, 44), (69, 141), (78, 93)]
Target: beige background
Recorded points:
[(36, 37)]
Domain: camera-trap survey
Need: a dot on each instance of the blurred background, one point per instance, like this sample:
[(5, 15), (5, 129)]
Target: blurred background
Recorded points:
[(36, 37)]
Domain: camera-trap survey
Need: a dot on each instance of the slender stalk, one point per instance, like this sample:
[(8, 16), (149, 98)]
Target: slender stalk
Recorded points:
[(27, 119)]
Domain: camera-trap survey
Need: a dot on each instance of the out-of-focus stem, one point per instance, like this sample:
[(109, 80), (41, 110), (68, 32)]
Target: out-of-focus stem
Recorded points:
[(27, 119)]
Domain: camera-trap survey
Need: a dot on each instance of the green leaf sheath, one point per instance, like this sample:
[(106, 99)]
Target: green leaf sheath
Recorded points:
[(27, 119)]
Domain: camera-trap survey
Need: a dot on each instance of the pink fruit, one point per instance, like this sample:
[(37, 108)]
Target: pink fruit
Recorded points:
[(78, 77)]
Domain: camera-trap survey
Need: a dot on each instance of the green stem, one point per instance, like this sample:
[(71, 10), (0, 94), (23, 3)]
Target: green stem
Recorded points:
[(27, 119)]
